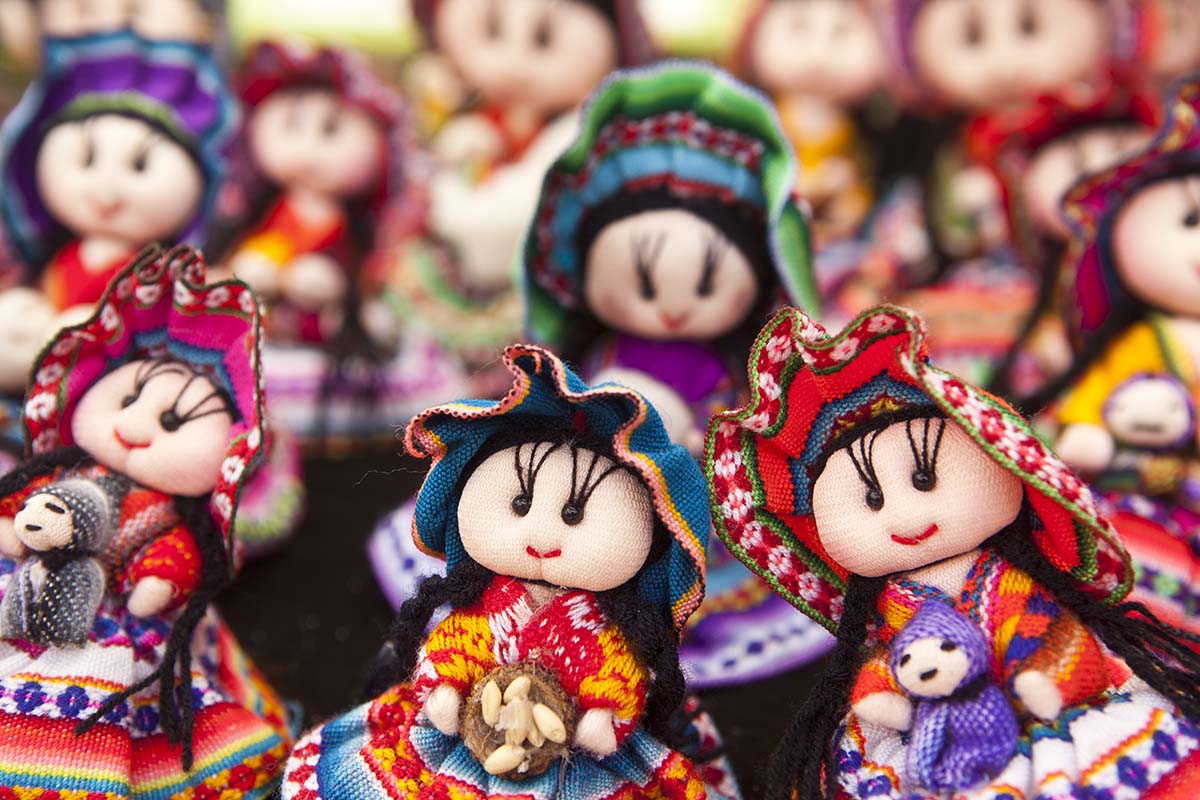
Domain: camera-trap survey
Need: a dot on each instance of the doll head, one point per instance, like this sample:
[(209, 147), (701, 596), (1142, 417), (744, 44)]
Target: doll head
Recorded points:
[(828, 49), (671, 217), (119, 177), (26, 317), (543, 55), (171, 20), (665, 267), (938, 652), (1152, 411), (1172, 30), (118, 138), (981, 54)]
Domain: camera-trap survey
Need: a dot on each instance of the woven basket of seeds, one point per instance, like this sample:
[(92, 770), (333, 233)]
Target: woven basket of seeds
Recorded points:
[(518, 721)]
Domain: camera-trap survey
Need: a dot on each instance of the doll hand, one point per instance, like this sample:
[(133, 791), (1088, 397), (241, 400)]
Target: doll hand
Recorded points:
[(257, 270), (1085, 447), (442, 706), (314, 281), (886, 710), (595, 733), (11, 545), (465, 139), (975, 190), (380, 322), (1039, 693), (44, 523), (150, 596)]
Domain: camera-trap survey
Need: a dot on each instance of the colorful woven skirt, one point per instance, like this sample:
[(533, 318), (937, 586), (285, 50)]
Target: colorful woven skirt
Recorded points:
[(241, 729)]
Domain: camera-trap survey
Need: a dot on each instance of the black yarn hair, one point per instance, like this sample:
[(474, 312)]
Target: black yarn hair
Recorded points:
[(804, 763), (174, 673), (649, 630), (744, 226)]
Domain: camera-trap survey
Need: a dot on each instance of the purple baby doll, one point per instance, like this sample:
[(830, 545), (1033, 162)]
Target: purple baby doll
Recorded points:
[(964, 730)]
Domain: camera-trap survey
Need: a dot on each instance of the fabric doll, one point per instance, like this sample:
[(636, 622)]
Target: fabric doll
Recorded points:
[(26, 322), (325, 152), (156, 401), (118, 143), (530, 64), (863, 483), (661, 236), (964, 730), (1161, 38), (573, 531), (1131, 309)]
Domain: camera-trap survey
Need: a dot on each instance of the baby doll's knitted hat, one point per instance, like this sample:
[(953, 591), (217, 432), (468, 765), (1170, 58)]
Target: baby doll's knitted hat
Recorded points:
[(808, 389), (546, 393)]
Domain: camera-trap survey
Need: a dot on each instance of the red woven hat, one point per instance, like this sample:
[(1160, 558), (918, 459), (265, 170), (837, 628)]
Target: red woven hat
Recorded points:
[(808, 388)]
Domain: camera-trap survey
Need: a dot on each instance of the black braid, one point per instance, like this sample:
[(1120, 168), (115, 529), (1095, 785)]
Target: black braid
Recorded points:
[(807, 748), (176, 714), (41, 465), (461, 587), (656, 645), (1158, 653)]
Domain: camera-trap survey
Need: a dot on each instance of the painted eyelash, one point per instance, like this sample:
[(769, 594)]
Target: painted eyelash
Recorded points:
[(715, 249), (171, 419), (864, 464), (527, 470), (646, 250), (925, 475), (572, 512)]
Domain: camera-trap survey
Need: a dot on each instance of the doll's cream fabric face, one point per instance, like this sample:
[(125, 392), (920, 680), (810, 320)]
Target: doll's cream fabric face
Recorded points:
[(1056, 167), (1150, 411), (542, 55), (26, 319), (159, 423), (556, 513), (117, 177), (989, 53), (1156, 245), (668, 275), (822, 48), (179, 20), (908, 495), (1177, 42), (308, 139)]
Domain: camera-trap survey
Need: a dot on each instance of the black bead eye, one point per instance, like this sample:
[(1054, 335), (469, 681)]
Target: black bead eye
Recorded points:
[(874, 498), (1191, 219), (973, 33), (170, 421), (948, 647), (128, 400), (521, 504), (904, 659), (572, 514), (924, 480)]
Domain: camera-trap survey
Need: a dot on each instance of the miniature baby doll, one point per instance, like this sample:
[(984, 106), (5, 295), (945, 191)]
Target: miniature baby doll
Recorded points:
[(964, 730), (863, 484), (530, 64), (118, 143), (154, 404), (556, 673)]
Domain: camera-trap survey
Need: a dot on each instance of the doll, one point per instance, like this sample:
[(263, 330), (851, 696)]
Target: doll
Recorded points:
[(863, 483), (530, 64), (1162, 38), (556, 672), (964, 729), (661, 236), (119, 142), (154, 404), (26, 322)]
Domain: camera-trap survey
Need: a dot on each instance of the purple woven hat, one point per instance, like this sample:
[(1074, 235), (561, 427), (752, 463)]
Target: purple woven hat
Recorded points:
[(176, 86)]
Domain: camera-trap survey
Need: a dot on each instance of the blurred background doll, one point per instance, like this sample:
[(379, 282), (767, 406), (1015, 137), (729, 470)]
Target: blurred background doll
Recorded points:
[(663, 235), (27, 321), (1133, 302), (1160, 39), (527, 66), (868, 486), (324, 150), (155, 401), (573, 531)]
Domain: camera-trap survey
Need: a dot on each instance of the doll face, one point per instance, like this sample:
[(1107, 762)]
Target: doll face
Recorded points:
[(1056, 167), (157, 422), (1177, 49), (114, 176), (544, 55), (25, 321), (1156, 245), (825, 48), (556, 513), (181, 20), (931, 667), (309, 139), (668, 275), (1150, 411), (989, 53), (909, 495)]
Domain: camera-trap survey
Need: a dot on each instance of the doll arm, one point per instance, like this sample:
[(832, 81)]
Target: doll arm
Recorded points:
[(164, 574), (876, 698), (617, 686), (457, 653)]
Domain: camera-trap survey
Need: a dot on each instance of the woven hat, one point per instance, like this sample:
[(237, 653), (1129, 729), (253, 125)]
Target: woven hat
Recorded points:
[(808, 389), (546, 392)]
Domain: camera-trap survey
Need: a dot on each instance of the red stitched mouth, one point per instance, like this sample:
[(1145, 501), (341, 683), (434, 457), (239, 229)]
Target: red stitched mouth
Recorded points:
[(127, 444), (930, 531), (673, 323), (536, 554)]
